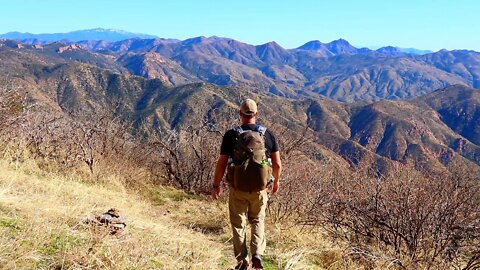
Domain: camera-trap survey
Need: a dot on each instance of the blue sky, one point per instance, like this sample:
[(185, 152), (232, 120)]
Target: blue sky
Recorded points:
[(422, 24)]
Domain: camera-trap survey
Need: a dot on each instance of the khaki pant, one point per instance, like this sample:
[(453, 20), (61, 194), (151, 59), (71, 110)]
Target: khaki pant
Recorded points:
[(243, 207)]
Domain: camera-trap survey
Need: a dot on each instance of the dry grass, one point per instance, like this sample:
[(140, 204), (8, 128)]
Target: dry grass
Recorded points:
[(42, 227)]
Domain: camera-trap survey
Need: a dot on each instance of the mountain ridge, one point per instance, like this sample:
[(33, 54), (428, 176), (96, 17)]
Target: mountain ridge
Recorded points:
[(370, 76), (50, 37), (348, 77)]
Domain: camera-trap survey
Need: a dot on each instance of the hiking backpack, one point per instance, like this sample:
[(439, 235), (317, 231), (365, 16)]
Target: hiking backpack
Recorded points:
[(249, 169)]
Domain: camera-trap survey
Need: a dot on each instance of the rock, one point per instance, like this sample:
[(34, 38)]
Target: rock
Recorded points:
[(112, 220), (68, 48)]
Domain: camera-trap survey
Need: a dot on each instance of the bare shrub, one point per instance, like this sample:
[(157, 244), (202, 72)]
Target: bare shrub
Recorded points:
[(57, 142), (299, 181), (13, 102), (15, 106), (297, 191), (188, 156), (412, 220), (100, 138)]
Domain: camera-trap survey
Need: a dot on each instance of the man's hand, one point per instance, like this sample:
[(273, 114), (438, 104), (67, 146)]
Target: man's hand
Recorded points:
[(219, 172), (275, 186), (277, 170), (215, 192)]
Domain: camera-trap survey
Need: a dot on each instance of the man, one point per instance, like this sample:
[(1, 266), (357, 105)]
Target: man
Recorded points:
[(247, 205)]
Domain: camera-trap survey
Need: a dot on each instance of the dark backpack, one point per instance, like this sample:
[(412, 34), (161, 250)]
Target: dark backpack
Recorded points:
[(249, 169)]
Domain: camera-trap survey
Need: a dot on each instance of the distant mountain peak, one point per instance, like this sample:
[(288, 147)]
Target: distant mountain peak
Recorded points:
[(341, 46), (311, 45), (336, 47), (203, 39), (195, 40), (272, 52), (415, 51), (390, 50), (340, 42), (108, 30), (271, 44), (317, 45)]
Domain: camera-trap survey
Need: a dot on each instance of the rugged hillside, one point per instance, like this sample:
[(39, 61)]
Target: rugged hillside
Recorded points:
[(459, 110), (382, 133), (155, 66), (17, 58), (372, 76), (465, 64), (431, 132)]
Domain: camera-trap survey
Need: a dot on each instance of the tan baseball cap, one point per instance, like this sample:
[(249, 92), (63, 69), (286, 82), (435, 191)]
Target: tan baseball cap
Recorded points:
[(248, 107)]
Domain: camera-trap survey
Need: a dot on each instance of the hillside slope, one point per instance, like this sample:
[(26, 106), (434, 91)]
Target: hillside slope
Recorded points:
[(433, 132)]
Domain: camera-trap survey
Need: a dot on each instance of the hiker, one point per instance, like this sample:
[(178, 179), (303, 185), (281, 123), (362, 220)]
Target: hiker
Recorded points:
[(245, 154)]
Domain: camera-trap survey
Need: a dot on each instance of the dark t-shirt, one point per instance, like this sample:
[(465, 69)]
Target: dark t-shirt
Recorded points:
[(229, 139)]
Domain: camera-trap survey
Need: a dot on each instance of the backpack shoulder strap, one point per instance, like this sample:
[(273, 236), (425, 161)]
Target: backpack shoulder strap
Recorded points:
[(261, 129), (238, 130)]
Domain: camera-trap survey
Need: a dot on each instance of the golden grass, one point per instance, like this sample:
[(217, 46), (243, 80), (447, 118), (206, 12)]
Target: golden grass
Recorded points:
[(42, 227)]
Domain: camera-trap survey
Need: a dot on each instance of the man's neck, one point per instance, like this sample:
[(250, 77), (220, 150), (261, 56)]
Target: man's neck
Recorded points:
[(247, 120)]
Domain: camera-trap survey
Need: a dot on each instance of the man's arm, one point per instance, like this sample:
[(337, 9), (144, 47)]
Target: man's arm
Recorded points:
[(219, 172), (277, 170)]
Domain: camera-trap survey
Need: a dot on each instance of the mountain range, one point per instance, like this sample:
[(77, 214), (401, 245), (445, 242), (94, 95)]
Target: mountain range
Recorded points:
[(395, 107), (336, 69), (431, 132), (118, 35)]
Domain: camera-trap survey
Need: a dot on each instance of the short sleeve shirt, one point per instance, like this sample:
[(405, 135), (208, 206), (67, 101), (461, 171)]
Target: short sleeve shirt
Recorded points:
[(230, 137)]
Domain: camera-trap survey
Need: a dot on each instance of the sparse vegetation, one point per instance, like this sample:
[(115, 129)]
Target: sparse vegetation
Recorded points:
[(407, 219)]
